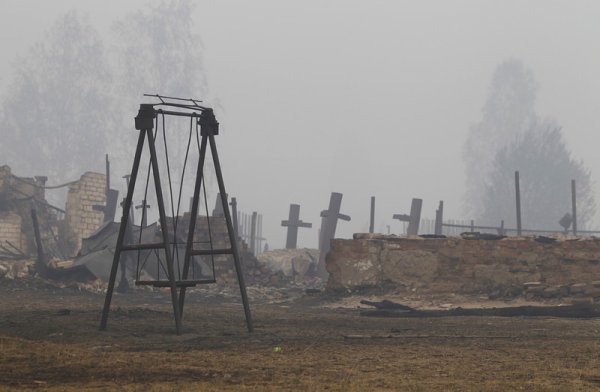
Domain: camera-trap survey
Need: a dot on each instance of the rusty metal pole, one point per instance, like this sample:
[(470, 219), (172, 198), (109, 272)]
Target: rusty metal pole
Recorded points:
[(574, 206), (518, 200)]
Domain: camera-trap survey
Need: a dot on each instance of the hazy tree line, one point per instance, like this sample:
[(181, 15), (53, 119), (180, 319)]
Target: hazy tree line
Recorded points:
[(74, 93), (511, 137)]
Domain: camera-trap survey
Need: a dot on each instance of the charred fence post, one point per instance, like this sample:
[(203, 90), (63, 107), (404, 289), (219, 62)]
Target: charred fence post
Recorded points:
[(372, 221), (574, 206), (41, 257), (234, 216), (439, 219), (518, 202), (253, 234)]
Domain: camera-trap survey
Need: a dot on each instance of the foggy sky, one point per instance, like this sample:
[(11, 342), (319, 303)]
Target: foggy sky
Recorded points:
[(363, 98)]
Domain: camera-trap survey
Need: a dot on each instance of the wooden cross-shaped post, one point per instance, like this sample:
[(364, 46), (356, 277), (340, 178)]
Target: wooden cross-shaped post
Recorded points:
[(292, 224), (329, 219), (144, 206), (414, 219)]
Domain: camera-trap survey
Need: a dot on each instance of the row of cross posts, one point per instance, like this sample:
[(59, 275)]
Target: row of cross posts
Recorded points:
[(249, 225), (330, 217), (329, 221)]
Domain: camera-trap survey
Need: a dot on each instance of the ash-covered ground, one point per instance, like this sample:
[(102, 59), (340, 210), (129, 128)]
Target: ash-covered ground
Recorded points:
[(49, 340)]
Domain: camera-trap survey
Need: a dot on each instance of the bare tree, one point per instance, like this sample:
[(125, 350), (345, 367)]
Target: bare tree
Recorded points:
[(546, 170), (73, 99), (155, 51), (508, 111), (55, 112), (511, 137)]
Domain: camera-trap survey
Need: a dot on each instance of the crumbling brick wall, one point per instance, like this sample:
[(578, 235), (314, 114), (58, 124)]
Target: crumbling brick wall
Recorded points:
[(81, 219), (10, 230), (21, 187), (18, 195), (507, 267)]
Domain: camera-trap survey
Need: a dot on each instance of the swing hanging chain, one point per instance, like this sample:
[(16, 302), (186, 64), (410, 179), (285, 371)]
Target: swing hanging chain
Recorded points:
[(148, 253), (168, 166), (212, 256), (176, 223), (187, 151), (175, 251), (159, 263)]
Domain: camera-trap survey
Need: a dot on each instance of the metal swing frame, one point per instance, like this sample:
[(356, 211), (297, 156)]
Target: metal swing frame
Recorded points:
[(209, 127)]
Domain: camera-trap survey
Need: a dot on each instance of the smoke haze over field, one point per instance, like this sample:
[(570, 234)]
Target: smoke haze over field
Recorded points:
[(363, 98)]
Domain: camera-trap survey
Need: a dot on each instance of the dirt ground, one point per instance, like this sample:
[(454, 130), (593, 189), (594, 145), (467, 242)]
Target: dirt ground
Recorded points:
[(49, 340)]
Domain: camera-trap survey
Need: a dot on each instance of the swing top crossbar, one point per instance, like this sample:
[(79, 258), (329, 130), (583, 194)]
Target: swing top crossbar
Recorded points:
[(204, 115), (184, 103)]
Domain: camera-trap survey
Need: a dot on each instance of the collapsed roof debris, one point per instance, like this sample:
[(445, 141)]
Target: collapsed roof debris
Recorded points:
[(77, 243)]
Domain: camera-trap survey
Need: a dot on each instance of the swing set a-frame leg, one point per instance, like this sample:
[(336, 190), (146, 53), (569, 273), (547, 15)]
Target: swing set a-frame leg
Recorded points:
[(231, 232), (125, 221), (122, 228)]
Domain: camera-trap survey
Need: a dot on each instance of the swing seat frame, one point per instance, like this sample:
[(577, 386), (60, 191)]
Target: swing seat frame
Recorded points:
[(178, 283)]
